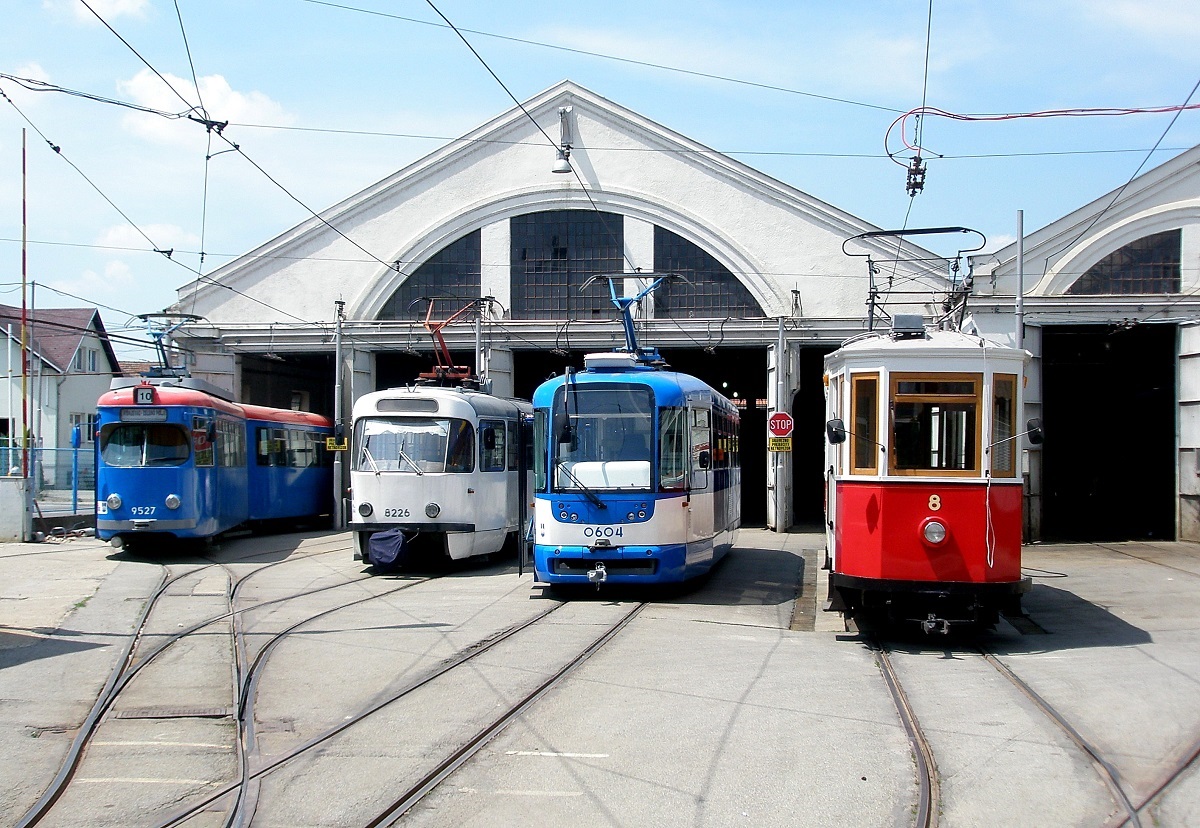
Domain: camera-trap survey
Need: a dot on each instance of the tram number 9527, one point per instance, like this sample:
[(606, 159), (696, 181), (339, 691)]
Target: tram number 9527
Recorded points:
[(396, 513), (603, 532)]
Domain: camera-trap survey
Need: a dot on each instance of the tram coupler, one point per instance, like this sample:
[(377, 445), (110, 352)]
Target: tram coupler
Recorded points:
[(598, 575), (934, 624)]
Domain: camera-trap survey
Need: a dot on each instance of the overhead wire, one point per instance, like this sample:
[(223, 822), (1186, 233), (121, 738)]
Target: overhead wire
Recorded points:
[(603, 56)]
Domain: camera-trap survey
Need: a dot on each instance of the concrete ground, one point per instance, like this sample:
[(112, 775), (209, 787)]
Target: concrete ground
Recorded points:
[(737, 701)]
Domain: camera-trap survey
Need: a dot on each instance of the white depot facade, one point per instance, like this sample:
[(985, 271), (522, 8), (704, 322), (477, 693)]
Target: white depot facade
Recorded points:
[(774, 280)]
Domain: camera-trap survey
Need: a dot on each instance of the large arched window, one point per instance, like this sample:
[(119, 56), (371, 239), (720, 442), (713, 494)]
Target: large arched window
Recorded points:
[(554, 253), (452, 272), (713, 293), (1148, 265)]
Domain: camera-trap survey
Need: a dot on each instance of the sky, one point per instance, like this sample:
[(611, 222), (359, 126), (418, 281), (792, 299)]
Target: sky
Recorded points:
[(324, 99)]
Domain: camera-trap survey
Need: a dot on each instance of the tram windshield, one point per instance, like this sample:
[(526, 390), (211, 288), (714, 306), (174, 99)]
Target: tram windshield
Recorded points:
[(602, 436), (144, 444), (414, 445), (935, 422)]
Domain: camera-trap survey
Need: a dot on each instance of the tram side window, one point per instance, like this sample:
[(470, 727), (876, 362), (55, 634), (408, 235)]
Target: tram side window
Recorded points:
[(514, 445), (231, 443), (701, 453), (541, 439), (864, 411), (935, 423), (1004, 408), (493, 455), (673, 449), (203, 432)]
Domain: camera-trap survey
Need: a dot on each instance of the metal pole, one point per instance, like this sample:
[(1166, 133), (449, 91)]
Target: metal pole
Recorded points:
[(780, 390), (24, 317), (1020, 278), (338, 426)]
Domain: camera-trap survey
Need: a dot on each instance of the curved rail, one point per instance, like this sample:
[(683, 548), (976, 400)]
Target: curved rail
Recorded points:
[(929, 791), (459, 757), (1107, 773)]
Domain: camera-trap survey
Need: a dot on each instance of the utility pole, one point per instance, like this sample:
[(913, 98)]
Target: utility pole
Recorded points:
[(339, 430)]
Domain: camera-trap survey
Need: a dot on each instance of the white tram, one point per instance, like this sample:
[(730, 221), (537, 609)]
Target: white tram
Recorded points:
[(447, 466)]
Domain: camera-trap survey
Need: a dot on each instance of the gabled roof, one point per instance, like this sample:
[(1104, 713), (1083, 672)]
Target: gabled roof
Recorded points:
[(56, 333)]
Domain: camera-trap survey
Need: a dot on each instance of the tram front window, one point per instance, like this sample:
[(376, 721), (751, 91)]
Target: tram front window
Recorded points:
[(414, 445), (602, 437), (935, 423), (144, 444)]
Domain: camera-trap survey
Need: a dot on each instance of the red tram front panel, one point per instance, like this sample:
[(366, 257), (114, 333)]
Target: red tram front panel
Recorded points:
[(879, 531)]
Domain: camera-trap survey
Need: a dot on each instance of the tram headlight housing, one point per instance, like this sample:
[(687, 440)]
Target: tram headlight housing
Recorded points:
[(114, 501), (365, 509), (172, 501), (432, 510), (934, 532)]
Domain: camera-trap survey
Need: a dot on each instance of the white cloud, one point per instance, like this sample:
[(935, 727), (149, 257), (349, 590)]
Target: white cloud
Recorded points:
[(116, 280), (108, 9), (221, 101), (1170, 20), (165, 236)]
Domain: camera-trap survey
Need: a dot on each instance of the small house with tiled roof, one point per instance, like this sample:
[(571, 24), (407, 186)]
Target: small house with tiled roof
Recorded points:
[(71, 363)]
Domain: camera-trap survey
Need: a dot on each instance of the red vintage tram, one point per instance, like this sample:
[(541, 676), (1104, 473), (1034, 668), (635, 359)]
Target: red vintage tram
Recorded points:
[(924, 486)]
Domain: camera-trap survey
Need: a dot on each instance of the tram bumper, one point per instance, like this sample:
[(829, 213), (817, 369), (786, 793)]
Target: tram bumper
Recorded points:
[(609, 564), (935, 605)]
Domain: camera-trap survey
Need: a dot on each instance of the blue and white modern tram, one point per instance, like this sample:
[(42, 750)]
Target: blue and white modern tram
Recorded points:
[(447, 466), (636, 470)]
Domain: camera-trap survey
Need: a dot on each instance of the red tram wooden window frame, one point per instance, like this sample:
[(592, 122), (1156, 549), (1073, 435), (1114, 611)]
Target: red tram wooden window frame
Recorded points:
[(975, 399), (1004, 412), (864, 434)]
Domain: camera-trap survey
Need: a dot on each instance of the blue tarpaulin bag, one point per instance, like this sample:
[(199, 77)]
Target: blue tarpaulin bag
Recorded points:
[(387, 549)]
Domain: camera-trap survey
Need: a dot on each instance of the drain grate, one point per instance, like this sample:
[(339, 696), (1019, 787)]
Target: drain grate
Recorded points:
[(174, 713)]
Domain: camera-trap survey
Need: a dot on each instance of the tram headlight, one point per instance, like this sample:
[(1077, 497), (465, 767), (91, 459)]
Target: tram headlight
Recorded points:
[(934, 531), (172, 501), (365, 509), (114, 501), (432, 510)]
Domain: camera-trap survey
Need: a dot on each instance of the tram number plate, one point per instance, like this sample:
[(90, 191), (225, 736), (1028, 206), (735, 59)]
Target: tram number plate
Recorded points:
[(142, 511), (396, 513), (603, 532)]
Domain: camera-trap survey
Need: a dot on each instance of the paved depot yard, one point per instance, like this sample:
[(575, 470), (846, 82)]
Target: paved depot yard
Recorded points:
[(736, 702)]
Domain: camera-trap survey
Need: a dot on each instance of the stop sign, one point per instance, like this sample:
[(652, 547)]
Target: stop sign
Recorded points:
[(780, 424)]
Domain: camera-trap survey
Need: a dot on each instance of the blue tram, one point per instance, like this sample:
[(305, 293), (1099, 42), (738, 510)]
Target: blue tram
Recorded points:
[(174, 459), (637, 476)]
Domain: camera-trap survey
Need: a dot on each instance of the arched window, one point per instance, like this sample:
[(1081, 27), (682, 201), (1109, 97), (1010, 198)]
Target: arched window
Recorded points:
[(451, 272), (554, 253), (714, 292), (1148, 265)]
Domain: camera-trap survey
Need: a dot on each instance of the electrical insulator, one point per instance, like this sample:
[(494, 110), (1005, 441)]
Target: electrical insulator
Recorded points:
[(916, 176)]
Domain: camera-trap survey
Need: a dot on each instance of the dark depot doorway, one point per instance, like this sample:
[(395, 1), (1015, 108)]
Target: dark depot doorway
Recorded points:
[(1109, 413)]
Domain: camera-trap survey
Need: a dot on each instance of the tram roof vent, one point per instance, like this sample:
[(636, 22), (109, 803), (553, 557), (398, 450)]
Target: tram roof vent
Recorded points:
[(908, 326)]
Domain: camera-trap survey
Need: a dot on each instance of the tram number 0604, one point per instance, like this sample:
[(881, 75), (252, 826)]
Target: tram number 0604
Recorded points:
[(603, 532)]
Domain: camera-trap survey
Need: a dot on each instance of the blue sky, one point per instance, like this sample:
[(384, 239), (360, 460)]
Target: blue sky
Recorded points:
[(803, 91)]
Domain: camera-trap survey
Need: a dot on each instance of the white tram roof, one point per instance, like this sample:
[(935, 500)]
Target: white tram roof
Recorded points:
[(436, 401), (929, 350)]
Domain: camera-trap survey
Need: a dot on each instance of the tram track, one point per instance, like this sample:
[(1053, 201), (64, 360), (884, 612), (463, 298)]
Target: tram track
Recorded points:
[(130, 662), (388, 813)]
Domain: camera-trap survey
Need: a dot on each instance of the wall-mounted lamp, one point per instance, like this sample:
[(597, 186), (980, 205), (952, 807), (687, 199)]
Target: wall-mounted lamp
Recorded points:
[(562, 155)]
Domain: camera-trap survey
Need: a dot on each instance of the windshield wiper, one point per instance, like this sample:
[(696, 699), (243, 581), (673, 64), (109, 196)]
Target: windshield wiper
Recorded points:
[(366, 452), (586, 491), (409, 460)]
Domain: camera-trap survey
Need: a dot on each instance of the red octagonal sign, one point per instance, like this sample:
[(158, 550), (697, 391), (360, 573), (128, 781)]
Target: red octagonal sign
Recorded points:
[(780, 424)]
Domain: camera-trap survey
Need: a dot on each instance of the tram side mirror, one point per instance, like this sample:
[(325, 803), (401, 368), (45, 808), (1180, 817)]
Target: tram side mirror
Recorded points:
[(1033, 431), (489, 439), (210, 431), (704, 460), (339, 431), (835, 431)]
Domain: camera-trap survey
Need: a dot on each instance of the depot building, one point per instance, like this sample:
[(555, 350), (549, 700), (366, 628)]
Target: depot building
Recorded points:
[(505, 228)]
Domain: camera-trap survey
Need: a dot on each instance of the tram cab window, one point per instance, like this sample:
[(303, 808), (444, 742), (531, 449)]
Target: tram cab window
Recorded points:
[(935, 423), (144, 444), (603, 436), (411, 445)]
